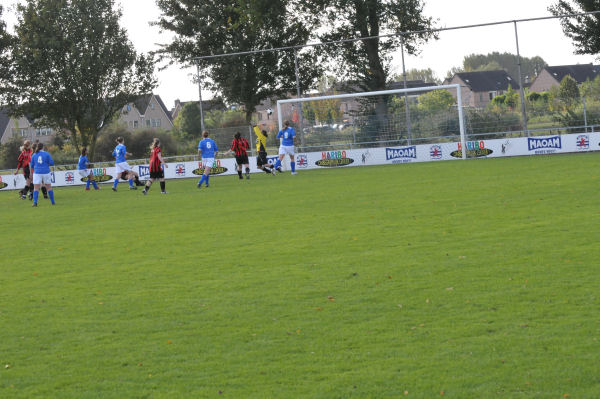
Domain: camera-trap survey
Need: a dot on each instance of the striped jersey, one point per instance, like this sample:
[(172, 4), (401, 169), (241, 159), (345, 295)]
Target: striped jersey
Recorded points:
[(239, 146), (155, 160), (24, 158)]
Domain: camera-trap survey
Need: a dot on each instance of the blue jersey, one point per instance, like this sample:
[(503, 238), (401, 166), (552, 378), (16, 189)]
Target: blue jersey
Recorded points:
[(208, 147), (41, 162), (288, 135), (119, 153), (83, 161)]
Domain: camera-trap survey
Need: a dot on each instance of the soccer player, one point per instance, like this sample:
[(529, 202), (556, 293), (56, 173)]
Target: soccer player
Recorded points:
[(32, 166), (207, 150), (84, 172), (156, 167), (261, 149), (23, 162), (239, 145), (287, 146), (121, 165), (41, 173)]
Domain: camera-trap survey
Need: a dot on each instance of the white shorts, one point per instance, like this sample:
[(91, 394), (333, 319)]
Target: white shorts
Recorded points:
[(122, 167), (45, 178), (84, 172), (286, 149), (208, 162)]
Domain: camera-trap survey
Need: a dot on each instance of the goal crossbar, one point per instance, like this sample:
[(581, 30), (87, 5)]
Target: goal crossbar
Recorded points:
[(387, 92)]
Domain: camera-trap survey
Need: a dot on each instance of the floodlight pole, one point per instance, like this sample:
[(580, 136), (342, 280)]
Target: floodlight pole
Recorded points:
[(300, 117), (521, 90), (200, 96), (406, 107)]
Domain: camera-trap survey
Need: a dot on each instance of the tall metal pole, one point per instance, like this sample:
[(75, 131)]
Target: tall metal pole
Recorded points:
[(522, 90), (200, 95), (406, 107), (299, 110)]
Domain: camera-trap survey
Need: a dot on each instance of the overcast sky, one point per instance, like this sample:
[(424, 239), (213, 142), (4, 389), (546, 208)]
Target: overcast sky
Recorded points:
[(539, 38)]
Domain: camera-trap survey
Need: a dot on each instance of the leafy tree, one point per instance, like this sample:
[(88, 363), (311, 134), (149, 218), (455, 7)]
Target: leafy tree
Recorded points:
[(323, 111), (509, 99), (188, 122), (584, 30), (436, 100), (74, 67), (368, 61), (228, 26), (568, 91), (9, 152), (530, 67), (5, 43)]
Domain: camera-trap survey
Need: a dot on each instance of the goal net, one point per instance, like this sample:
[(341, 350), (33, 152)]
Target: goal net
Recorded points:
[(421, 115)]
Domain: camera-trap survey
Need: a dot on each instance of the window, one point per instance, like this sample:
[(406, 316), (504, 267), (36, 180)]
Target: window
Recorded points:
[(156, 122), (135, 124), (43, 131), (130, 123), (148, 122), (151, 105), (493, 94), (20, 132)]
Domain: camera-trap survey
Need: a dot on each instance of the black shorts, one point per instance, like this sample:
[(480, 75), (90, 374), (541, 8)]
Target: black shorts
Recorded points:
[(241, 159), (157, 175), (261, 159), (26, 172)]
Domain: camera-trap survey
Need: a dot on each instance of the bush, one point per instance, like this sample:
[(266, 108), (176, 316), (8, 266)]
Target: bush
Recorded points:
[(9, 153)]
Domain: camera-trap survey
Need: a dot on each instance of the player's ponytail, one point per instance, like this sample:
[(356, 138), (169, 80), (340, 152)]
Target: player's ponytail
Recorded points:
[(83, 151), (120, 140), (155, 143), (39, 147)]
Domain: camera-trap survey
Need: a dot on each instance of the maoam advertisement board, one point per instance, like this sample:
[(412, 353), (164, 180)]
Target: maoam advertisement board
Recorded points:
[(519, 146)]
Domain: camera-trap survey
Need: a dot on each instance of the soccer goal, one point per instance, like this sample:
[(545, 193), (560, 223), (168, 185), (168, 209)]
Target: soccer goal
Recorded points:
[(407, 116)]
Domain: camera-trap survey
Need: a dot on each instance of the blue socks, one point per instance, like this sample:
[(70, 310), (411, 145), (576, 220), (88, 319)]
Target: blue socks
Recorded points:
[(87, 184), (277, 164), (93, 184), (203, 179), (293, 165), (51, 195), (116, 182), (36, 194), (130, 182)]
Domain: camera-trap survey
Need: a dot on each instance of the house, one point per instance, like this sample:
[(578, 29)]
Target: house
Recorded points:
[(146, 112), (479, 88), (215, 104), (22, 128), (553, 75)]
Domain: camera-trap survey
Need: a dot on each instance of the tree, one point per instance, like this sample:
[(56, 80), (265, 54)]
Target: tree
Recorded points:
[(530, 67), (368, 61), (188, 122), (584, 30), (436, 100), (74, 67), (5, 43), (568, 92), (215, 27), (426, 75)]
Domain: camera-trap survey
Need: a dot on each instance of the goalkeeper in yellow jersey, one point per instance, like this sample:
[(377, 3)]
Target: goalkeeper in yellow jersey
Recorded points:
[(261, 149)]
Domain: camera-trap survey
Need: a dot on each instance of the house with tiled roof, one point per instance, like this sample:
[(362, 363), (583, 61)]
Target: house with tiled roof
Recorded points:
[(21, 128), (479, 88), (146, 112), (552, 75)]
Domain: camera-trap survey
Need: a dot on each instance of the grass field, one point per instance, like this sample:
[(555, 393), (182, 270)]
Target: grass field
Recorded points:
[(466, 279)]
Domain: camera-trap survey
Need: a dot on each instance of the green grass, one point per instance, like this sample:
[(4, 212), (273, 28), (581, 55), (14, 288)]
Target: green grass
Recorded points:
[(466, 279)]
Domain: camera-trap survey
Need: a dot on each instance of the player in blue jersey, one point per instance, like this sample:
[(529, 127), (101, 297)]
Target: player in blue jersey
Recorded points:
[(207, 151), (120, 153), (287, 136), (40, 164), (84, 172)]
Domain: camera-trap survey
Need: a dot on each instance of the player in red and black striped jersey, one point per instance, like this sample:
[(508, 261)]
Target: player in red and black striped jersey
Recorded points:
[(156, 167), (239, 145), (23, 162)]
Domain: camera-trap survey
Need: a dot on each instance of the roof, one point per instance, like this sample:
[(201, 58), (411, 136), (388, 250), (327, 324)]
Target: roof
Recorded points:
[(142, 102), (488, 80), (580, 72)]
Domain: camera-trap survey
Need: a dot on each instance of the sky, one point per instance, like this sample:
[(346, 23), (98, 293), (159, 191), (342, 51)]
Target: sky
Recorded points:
[(537, 38)]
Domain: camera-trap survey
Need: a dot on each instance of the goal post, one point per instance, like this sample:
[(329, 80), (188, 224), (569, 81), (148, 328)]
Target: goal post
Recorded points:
[(425, 89)]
